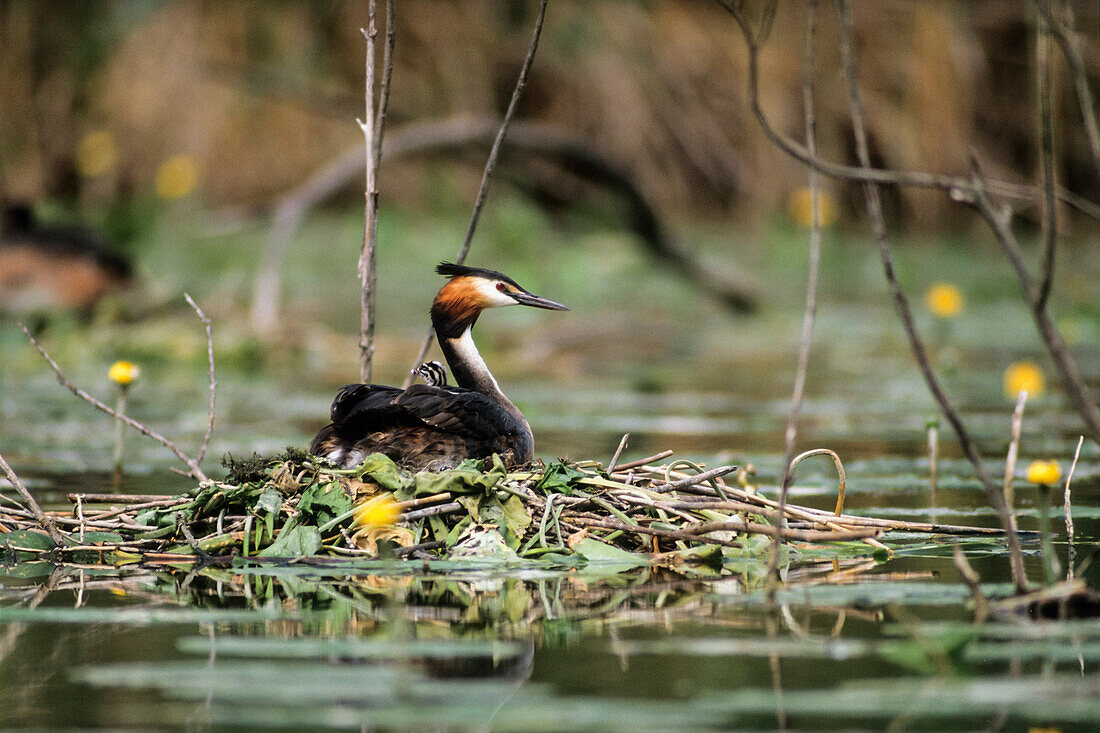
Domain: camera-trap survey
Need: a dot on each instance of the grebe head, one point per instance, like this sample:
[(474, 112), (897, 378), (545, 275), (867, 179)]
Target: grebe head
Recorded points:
[(472, 290)]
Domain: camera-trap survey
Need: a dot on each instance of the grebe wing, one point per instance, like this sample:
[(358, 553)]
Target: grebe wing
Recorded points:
[(462, 412)]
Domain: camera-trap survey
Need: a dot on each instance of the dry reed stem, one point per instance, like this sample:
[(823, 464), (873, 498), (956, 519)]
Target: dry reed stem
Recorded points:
[(692, 480), (213, 382), (1068, 508), (490, 166), (933, 455), (195, 471), (641, 461), (47, 523), (1010, 458), (618, 452)]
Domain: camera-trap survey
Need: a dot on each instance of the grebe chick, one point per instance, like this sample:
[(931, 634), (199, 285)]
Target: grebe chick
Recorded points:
[(433, 374), (430, 426)]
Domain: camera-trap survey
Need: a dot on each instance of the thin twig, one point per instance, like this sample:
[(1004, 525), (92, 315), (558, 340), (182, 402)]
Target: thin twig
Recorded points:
[(901, 303), (692, 480), (642, 461), (213, 382), (195, 470), (47, 523), (1000, 222), (1046, 152), (490, 165), (810, 309), (958, 187), (1069, 40), (618, 452)]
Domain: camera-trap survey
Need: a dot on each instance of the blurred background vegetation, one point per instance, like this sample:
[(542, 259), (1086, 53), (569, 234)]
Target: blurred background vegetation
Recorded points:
[(257, 96), (174, 128)]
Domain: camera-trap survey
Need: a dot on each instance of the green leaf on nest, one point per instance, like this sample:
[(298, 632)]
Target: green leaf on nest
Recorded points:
[(301, 541), (559, 477), (468, 478)]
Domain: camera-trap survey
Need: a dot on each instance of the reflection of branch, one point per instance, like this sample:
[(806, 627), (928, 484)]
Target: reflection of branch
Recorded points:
[(490, 165), (47, 524), (958, 187), (192, 464), (901, 303), (213, 381)]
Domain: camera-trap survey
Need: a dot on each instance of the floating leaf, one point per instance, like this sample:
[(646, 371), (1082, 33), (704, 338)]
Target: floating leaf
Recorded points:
[(25, 538), (300, 541), (601, 553)]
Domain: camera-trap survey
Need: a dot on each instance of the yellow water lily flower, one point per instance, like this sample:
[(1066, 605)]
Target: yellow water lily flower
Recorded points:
[(124, 373), (176, 177), (1047, 473), (945, 300), (800, 207), (381, 511), (1023, 376)]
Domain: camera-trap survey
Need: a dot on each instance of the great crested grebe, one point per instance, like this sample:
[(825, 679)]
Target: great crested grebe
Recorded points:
[(433, 426)]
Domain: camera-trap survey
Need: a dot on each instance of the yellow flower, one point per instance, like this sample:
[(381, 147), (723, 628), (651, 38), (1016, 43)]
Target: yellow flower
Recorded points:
[(124, 373), (176, 177), (381, 511), (1024, 376), (1044, 472), (800, 207), (944, 300), (96, 153)]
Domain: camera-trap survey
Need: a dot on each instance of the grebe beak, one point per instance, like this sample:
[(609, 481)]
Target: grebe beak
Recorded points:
[(536, 301)]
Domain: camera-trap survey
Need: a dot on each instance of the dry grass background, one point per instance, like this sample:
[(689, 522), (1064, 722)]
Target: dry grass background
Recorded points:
[(262, 94)]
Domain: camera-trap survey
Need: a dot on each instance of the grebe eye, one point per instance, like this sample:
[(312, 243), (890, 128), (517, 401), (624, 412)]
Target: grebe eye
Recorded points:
[(502, 287)]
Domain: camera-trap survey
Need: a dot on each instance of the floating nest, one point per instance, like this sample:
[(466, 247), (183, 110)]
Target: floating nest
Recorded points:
[(294, 507)]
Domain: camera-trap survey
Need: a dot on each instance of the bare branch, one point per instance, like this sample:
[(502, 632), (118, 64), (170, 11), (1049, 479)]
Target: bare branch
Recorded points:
[(1046, 152), (213, 381), (1069, 40), (999, 219), (901, 303), (491, 163), (46, 522), (195, 471), (959, 188), (367, 275)]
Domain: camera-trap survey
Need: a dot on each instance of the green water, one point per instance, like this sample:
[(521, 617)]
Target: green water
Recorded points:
[(852, 645)]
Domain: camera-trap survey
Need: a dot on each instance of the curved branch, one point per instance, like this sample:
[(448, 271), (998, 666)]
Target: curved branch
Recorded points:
[(958, 187)]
